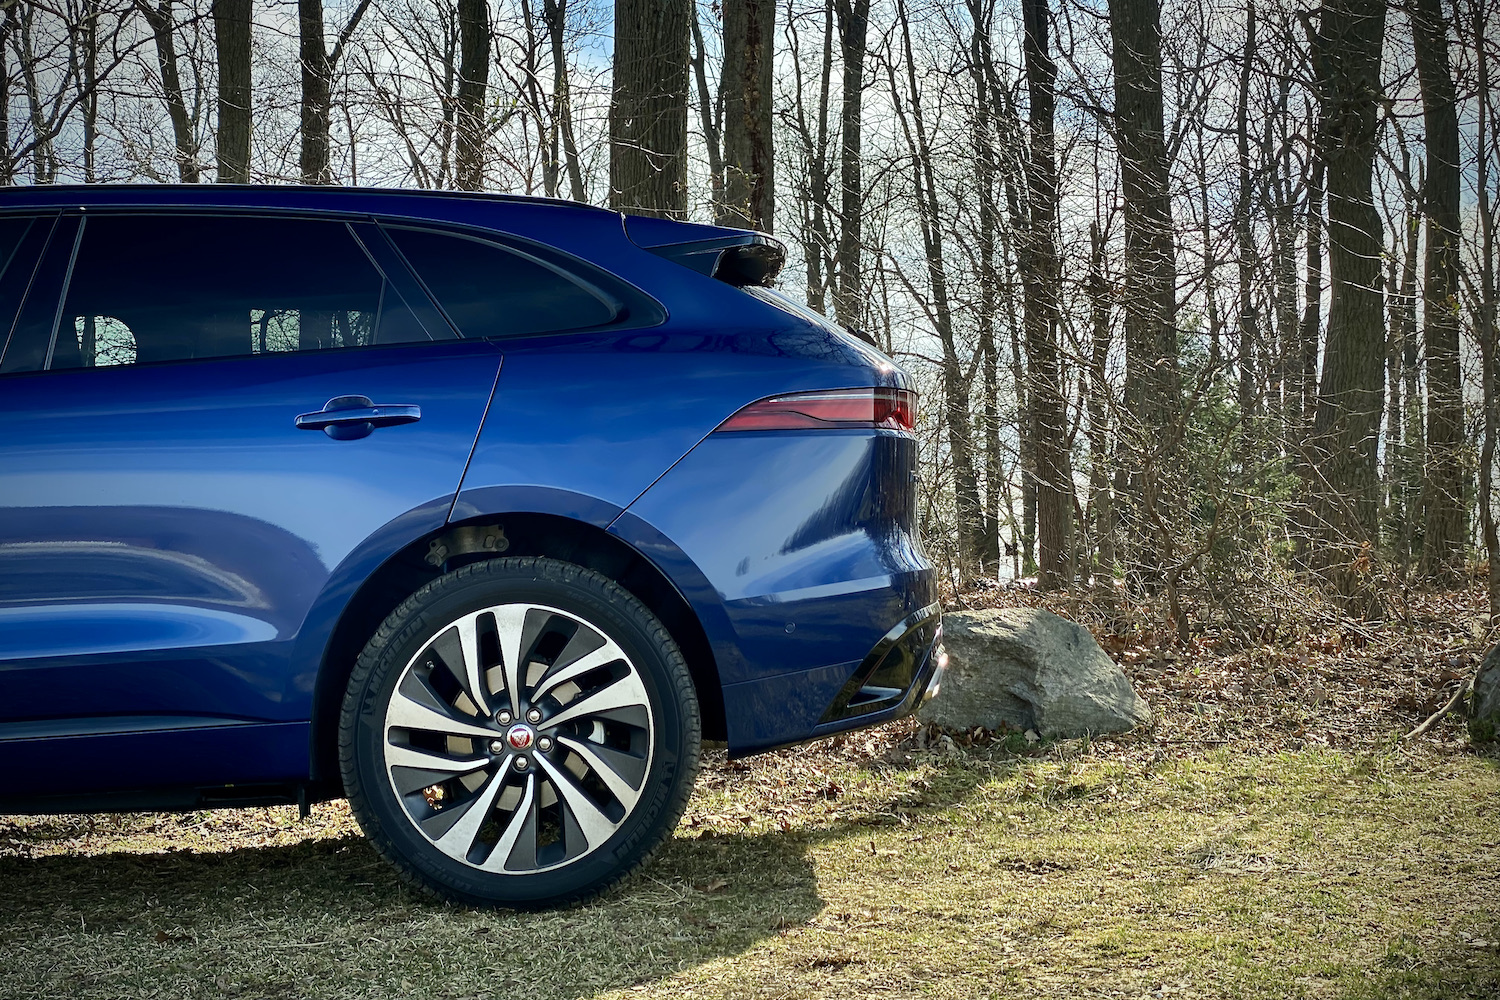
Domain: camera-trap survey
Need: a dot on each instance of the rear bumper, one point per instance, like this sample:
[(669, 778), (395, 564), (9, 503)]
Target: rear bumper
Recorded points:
[(798, 556), (902, 671)]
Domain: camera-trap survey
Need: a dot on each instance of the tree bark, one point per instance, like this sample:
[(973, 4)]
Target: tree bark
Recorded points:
[(1150, 283), (1346, 48), (955, 387), (9, 24), (162, 26), (473, 84), (232, 49), (555, 13), (745, 87), (648, 109), (1041, 273), (318, 67), (1487, 329), (1444, 506), (985, 173), (1245, 242), (89, 92), (854, 22), (316, 93), (1101, 505)]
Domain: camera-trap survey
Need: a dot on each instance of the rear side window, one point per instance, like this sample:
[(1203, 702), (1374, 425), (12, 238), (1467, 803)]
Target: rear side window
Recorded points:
[(489, 291), (169, 288)]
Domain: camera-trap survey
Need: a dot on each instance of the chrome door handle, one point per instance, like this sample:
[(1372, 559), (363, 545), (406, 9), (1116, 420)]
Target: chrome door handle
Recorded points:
[(345, 418)]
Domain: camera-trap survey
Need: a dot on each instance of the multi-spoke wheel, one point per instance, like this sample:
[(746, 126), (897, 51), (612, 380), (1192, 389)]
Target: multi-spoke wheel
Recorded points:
[(520, 731)]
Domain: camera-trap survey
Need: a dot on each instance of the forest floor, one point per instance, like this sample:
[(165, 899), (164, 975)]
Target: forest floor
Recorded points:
[(1269, 836)]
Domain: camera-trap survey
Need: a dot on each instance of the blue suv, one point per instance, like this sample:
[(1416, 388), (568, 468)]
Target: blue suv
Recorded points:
[(482, 511)]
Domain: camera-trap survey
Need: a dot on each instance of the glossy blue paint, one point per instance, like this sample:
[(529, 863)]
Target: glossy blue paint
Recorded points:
[(167, 530), (173, 546)]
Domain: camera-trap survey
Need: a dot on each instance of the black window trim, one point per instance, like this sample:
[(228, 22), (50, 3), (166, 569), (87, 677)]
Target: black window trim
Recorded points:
[(62, 296)]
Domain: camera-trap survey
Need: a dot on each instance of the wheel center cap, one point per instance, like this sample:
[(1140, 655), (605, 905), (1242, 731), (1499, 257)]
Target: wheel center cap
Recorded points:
[(520, 737)]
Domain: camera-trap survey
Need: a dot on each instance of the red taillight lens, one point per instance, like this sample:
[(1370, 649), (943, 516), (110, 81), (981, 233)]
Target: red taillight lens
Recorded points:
[(895, 409)]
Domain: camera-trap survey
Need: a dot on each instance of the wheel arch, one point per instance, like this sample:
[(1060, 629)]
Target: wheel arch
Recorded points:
[(484, 537)]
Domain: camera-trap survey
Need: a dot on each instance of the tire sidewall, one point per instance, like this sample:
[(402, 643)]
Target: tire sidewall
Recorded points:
[(580, 593)]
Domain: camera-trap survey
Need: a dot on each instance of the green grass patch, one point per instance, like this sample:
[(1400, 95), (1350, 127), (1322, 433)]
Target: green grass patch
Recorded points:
[(1229, 873)]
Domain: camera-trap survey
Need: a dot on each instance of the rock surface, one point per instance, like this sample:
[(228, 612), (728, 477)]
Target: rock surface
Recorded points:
[(1484, 709), (1024, 669)]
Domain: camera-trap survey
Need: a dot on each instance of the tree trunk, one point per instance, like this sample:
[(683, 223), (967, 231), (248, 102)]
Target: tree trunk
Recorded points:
[(1101, 505), (162, 25), (555, 13), (985, 170), (232, 48), (1041, 274), (1245, 242), (473, 83), (1487, 329), (9, 24), (316, 93), (955, 388), (1346, 49), (1150, 285), (1444, 507), (318, 66), (854, 22), (89, 92), (745, 86), (648, 110)]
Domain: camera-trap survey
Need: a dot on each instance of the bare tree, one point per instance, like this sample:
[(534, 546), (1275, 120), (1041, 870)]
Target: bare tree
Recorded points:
[(473, 82), (163, 26), (1346, 46), (745, 93), (1445, 524), (648, 114), (555, 13), (854, 25), (1041, 274), (232, 44), (318, 68), (1150, 293)]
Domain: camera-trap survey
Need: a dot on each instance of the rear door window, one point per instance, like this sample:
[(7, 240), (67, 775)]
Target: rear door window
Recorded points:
[(492, 291), (149, 288)]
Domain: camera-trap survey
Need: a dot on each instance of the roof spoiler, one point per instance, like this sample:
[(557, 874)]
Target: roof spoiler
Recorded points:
[(736, 256), (741, 260)]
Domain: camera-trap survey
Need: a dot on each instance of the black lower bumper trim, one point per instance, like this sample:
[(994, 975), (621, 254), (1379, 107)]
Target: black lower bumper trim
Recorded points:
[(894, 673)]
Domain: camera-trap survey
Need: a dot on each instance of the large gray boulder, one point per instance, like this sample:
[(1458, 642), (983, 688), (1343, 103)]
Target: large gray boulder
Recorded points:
[(1029, 669), (1484, 708)]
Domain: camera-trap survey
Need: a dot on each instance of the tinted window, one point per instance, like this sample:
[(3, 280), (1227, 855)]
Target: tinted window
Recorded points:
[(491, 292), (37, 272), (169, 288), (15, 271)]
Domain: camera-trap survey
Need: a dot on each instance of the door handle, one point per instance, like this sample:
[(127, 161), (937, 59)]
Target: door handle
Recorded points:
[(345, 418)]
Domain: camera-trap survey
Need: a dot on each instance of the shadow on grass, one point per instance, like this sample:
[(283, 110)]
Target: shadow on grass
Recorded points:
[(327, 917)]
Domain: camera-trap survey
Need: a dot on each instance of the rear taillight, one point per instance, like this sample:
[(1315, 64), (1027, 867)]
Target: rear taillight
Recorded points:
[(894, 409)]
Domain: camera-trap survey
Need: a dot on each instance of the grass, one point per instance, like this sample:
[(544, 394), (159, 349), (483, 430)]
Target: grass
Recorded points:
[(1114, 869)]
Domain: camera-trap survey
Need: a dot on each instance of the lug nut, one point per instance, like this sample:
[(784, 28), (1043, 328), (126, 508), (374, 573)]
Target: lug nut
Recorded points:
[(534, 716), (503, 717), (544, 744), (522, 763), (497, 746)]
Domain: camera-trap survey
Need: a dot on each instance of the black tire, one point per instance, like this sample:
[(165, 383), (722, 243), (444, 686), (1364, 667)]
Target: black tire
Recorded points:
[(598, 838)]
